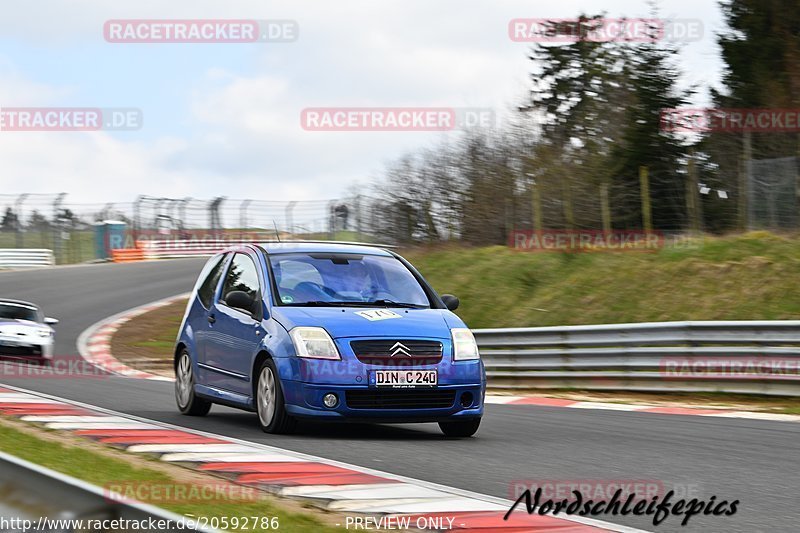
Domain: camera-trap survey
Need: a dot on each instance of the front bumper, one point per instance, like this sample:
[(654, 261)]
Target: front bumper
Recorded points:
[(446, 402), (27, 347), (459, 393)]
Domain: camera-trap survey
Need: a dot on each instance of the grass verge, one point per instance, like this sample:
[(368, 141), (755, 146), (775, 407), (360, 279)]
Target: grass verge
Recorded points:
[(107, 467), (146, 342), (746, 277)]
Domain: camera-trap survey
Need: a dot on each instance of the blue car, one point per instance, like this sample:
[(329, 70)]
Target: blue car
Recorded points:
[(326, 331)]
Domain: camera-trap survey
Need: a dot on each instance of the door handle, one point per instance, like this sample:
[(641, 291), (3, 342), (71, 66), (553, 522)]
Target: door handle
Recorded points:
[(211, 319)]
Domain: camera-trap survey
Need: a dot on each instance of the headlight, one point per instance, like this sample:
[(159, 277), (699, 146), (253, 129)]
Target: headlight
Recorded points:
[(45, 333), (314, 343), (464, 346)]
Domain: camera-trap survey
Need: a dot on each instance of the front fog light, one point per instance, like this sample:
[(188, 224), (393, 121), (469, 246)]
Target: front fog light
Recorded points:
[(330, 400), (466, 399)]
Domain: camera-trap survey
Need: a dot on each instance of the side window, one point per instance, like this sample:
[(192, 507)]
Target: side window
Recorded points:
[(242, 276), (205, 293)]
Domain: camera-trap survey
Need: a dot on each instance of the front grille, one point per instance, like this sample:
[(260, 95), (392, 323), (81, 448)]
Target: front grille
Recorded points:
[(400, 399), (396, 352), (20, 350)]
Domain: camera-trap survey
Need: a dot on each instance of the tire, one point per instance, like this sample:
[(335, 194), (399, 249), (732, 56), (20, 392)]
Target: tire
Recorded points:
[(460, 428), (270, 404), (188, 403)]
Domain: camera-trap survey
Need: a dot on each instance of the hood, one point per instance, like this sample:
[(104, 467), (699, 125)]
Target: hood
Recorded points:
[(17, 327), (367, 322)]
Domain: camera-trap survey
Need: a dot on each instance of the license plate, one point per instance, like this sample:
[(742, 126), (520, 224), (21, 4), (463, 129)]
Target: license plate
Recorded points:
[(406, 378)]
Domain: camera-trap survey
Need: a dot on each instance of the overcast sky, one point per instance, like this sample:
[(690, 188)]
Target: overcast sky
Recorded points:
[(224, 119)]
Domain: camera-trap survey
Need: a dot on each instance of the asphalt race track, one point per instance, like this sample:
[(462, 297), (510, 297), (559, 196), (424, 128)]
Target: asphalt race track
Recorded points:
[(756, 462)]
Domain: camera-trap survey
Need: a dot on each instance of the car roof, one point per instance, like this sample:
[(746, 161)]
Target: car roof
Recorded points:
[(18, 302), (323, 247)]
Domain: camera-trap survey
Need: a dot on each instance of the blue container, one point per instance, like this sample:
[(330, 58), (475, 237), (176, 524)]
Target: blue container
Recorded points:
[(108, 235)]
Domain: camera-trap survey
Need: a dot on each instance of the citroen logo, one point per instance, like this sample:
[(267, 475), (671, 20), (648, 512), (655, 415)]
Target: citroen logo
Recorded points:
[(399, 349)]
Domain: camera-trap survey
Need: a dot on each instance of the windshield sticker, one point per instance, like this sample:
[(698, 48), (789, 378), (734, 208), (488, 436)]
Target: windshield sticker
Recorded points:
[(378, 314), (287, 299)]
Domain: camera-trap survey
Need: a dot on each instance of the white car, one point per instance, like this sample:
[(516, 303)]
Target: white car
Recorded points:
[(25, 333)]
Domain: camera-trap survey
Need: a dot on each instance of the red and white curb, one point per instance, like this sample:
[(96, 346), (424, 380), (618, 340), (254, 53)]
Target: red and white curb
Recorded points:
[(94, 344), (640, 408), (326, 484)]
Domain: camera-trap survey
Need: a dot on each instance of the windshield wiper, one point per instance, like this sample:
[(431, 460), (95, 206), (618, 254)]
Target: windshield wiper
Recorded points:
[(320, 303), (374, 303), (391, 303)]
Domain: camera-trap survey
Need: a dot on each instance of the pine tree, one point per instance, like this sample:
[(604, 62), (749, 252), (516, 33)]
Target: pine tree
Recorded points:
[(9, 222), (652, 78), (579, 93), (760, 49)]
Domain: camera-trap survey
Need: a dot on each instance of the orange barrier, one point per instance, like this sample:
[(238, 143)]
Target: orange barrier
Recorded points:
[(127, 255)]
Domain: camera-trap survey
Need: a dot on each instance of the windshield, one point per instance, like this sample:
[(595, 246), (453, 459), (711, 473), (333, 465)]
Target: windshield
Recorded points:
[(18, 312), (327, 279)]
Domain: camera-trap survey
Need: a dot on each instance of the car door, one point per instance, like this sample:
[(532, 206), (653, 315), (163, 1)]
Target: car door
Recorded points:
[(234, 334), (197, 318)]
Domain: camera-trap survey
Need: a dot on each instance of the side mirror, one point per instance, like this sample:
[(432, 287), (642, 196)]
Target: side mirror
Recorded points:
[(241, 300), (450, 301), (51, 321)]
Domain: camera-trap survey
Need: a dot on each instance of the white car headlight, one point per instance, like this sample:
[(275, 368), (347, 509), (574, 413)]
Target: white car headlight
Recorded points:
[(464, 346), (314, 343), (45, 333)]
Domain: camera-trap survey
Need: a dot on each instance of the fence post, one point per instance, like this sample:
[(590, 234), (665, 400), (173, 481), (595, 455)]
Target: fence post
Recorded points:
[(744, 179), (567, 195), (57, 226), (644, 180), (692, 194), (797, 177), (536, 205), (175, 215), (137, 217), (243, 223), (357, 202), (214, 217), (331, 220), (289, 222), (604, 207), (18, 211)]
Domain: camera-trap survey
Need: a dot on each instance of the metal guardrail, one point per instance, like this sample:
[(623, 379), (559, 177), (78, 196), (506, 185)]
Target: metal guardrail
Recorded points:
[(749, 357), (26, 258), (31, 492)]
